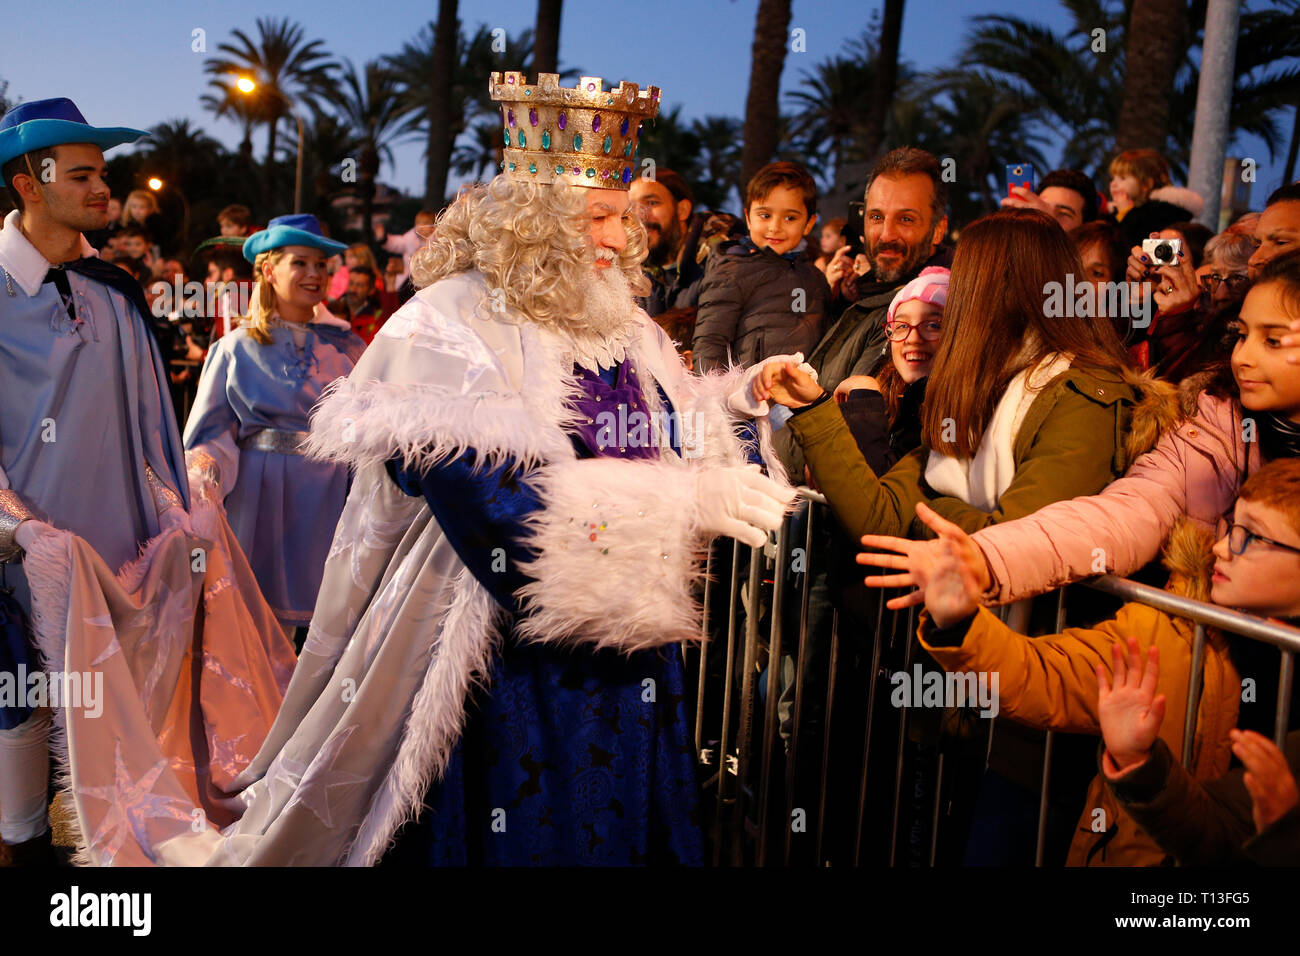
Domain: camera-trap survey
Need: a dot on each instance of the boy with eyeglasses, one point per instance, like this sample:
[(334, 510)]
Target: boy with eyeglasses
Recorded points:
[(1252, 815), (1054, 682)]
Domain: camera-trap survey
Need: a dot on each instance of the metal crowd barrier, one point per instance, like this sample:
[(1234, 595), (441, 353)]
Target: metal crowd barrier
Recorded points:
[(756, 778)]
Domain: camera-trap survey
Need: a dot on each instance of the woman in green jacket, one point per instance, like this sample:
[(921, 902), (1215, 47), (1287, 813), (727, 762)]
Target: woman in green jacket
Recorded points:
[(1024, 407)]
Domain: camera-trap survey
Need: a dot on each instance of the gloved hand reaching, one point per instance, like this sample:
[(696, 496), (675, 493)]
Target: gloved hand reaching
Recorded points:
[(740, 502), (742, 401)]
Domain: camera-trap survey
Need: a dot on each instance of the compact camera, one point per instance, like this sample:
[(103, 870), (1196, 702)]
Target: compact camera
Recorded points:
[(1162, 252)]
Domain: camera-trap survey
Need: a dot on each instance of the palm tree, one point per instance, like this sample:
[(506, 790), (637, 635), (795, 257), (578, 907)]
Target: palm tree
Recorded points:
[(369, 106), (187, 160), (885, 81), (480, 156), (670, 142), (762, 105), (329, 141), (546, 45), (1078, 93), (228, 102), (719, 160), (290, 73), (830, 104), (444, 120), (426, 70), (984, 126), (1156, 42)]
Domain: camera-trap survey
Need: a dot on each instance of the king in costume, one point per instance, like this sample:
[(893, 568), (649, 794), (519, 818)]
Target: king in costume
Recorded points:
[(493, 672)]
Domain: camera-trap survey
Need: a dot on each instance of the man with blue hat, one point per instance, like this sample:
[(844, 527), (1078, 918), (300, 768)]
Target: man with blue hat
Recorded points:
[(88, 439)]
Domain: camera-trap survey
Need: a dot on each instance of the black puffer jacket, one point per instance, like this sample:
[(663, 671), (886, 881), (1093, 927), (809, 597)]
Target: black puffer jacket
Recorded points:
[(1163, 208), (754, 304)]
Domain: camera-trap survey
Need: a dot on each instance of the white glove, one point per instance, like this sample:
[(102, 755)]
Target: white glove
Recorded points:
[(742, 401), (175, 517), (31, 529), (740, 502)]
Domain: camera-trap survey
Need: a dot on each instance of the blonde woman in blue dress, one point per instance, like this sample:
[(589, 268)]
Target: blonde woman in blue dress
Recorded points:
[(250, 416)]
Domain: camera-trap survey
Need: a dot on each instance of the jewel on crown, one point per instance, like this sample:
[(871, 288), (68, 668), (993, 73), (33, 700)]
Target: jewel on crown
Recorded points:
[(584, 135)]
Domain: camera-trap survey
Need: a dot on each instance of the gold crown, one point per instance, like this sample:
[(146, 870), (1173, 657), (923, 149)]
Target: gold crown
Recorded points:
[(584, 136)]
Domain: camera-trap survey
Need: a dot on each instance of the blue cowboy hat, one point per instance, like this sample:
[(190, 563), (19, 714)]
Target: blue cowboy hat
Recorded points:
[(300, 229), (44, 123)]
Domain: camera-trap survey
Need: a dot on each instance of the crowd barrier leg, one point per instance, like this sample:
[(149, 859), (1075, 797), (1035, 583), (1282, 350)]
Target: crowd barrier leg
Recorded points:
[(827, 723), (748, 687), (775, 670), (878, 640), (902, 742), (1285, 682), (1045, 788), (1194, 682), (801, 671), (704, 656), (724, 743)]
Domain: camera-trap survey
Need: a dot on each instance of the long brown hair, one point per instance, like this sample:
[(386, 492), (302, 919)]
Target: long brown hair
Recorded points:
[(995, 326)]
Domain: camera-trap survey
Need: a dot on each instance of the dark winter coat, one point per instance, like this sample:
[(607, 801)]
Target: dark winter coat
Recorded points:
[(1163, 208), (755, 303)]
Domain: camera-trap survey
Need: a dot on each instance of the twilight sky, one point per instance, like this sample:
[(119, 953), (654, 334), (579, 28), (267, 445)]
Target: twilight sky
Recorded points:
[(130, 63)]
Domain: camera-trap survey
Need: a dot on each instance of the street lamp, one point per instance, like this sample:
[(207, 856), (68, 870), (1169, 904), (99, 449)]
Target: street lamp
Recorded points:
[(247, 86), (157, 185)]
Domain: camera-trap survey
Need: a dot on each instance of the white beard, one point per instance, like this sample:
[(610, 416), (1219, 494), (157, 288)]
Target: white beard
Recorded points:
[(607, 321)]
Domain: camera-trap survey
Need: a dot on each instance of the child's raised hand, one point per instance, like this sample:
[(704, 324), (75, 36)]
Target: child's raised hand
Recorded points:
[(1268, 779), (786, 384), (1130, 712), (915, 558)]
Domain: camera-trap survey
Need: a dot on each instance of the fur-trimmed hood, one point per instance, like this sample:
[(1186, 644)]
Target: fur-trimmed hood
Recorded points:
[(1156, 412), (1179, 196), (1189, 559)]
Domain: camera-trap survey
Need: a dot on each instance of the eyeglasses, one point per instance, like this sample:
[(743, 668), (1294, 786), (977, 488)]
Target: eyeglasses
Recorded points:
[(898, 331), (1236, 282), (1240, 537)]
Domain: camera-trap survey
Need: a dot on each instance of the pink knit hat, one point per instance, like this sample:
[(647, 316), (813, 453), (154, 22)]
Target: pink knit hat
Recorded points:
[(930, 286)]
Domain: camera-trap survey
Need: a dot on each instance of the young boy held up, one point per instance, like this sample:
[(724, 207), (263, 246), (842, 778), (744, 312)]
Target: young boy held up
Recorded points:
[(764, 296)]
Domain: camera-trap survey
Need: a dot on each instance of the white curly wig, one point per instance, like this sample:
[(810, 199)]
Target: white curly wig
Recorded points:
[(531, 241)]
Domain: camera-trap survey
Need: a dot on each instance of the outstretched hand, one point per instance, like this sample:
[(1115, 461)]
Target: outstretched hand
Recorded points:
[(786, 384), (1130, 712), (1268, 778), (918, 559)]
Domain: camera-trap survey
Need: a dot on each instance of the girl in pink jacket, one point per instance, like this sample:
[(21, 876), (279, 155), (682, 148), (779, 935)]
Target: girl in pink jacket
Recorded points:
[(1194, 470)]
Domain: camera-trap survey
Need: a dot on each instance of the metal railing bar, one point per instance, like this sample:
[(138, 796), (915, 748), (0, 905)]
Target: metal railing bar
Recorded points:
[(724, 741), (826, 729), (1285, 682), (873, 678), (749, 686), (801, 670), (1045, 786), (704, 656), (775, 670), (1195, 680), (902, 741), (1199, 612)]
